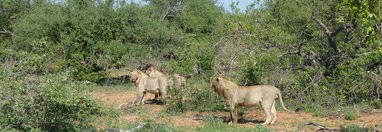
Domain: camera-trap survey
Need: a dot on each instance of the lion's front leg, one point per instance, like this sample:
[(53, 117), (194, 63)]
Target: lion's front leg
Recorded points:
[(233, 114), (143, 98), (139, 98)]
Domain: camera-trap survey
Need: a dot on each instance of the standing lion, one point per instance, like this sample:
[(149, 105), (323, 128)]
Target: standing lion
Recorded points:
[(238, 96), (145, 84), (174, 80)]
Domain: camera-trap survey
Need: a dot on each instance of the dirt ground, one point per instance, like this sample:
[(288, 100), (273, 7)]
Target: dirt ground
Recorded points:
[(286, 121)]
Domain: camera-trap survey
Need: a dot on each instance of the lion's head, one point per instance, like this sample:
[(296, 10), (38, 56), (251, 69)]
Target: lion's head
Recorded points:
[(154, 72), (215, 84), (135, 75), (220, 85)]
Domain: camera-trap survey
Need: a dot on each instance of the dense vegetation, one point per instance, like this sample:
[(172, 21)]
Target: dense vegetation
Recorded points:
[(319, 53)]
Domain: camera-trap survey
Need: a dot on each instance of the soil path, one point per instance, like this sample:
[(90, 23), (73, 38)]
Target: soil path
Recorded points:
[(286, 121)]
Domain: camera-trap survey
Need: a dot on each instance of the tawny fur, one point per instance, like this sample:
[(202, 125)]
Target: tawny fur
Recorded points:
[(146, 84), (174, 80), (238, 96)]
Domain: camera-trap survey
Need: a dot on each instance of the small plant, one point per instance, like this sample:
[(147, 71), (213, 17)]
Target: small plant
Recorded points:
[(133, 109), (150, 124), (353, 128), (377, 104), (352, 115), (316, 110), (213, 124), (260, 128), (175, 100)]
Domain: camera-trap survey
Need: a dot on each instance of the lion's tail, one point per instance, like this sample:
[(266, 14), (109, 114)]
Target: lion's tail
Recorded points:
[(281, 101)]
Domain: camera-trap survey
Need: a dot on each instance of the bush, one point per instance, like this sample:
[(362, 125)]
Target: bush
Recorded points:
[(353, 128), (198, 96), (352, 115), (316, 110), (251, 74), (151, 125), (214, 124), (175, 100), (52, 103), (377, 104)]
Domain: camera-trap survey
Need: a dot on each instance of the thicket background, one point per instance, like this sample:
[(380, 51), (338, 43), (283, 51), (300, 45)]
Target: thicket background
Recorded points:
[(319, 53)]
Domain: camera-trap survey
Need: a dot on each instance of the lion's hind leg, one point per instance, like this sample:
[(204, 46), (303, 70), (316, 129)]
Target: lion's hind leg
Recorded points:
[(267, 106), (273, 112)]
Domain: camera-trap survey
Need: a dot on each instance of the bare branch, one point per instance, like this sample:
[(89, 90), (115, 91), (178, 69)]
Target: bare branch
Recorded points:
[(235, 36), (7, 32), (322, 25), (13, 17), (329, 34), (322, 127), (339, 29), (233, 58), (166, 12), (298, 52)]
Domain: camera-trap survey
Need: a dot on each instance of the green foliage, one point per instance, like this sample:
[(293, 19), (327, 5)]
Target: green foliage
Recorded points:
[(200, 97), (90, 38), (214, 124), (377, 104), (206, 99), (352, 114), (133, 109), (316, 110), (176, 100), (195, 56), (10, 11), (368, 13), (353, 128), (200, 16), (152, 125), (251, 74), (52, 102), (260, 128), (288, 44)]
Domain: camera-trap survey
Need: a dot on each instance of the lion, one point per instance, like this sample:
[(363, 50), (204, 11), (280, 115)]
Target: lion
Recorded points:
[(154, 72), (238, 96), (145, 84), (174, 80)]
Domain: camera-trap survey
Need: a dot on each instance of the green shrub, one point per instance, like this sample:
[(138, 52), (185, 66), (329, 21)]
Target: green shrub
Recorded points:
[(260, 128), (133, 109), (150, 123), (316, 110), (353, 128), (175, 100), (352, 115), (377, 104), (214, 124), (251, 74), (196, 96), (52, 103)]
